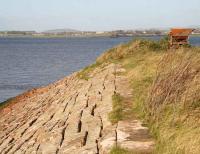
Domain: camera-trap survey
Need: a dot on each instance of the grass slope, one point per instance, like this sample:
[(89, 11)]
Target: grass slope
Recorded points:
[(166, 92)]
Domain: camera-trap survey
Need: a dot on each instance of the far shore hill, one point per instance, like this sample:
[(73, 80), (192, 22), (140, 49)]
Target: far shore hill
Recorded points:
[(77, 33)]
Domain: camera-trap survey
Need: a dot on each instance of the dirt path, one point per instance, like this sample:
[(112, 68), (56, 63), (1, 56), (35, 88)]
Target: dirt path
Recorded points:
[(131, 134), (71, 116)]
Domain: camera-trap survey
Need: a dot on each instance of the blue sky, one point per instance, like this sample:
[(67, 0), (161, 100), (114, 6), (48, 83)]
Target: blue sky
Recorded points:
[(97, 14)]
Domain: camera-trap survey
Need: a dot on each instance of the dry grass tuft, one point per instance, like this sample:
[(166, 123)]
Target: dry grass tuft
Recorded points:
[(177, 82), (173, 104)]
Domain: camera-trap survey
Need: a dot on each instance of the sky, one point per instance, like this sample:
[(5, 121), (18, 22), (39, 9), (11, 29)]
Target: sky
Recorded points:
[(98, 15)]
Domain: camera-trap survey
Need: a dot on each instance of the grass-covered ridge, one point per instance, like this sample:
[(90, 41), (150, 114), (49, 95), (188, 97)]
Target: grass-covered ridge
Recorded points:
[(166, 92)]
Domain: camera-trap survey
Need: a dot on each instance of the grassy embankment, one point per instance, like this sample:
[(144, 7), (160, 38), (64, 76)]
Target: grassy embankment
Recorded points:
[(166, 92)]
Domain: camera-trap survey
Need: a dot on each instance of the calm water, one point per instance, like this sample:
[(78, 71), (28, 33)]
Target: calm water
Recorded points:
[(26, 63)]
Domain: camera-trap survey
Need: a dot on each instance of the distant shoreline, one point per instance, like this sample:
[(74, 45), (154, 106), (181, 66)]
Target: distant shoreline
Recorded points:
[(54, 36)]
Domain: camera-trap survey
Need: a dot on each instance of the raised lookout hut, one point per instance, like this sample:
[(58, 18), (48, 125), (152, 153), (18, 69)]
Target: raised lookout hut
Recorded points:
[(179, 37)]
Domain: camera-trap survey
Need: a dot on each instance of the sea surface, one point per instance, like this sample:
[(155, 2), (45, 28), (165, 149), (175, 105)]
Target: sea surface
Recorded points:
[(26, 63)]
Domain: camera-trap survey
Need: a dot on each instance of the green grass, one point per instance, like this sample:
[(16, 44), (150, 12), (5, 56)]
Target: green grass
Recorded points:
[(119, 150), (140, 92), (117, 112)]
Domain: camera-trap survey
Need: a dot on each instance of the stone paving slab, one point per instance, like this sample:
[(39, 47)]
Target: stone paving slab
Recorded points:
[(69, 116)]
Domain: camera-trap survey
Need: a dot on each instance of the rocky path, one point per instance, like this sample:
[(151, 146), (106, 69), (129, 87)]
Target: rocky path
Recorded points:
[(71, 117)]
